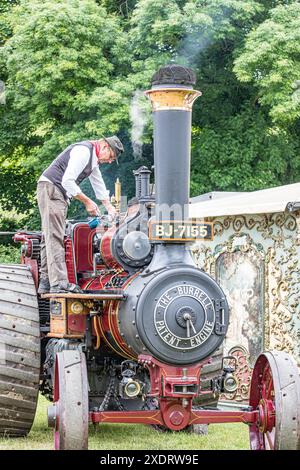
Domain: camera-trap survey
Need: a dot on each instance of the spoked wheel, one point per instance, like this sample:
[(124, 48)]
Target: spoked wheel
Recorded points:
[(275, 393), (69, 414)]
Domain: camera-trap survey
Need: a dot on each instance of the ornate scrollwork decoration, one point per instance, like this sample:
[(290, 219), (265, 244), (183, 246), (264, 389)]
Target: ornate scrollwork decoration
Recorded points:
[(277, 237), (285, 220), (243, 375), (263, 223), (282, 296), (238, 223)]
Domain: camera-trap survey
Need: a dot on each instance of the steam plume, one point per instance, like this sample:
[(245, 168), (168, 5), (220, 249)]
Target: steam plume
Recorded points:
[(139, 116)]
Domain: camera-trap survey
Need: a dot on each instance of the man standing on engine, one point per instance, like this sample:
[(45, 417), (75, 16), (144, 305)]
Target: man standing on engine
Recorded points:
[(58, 184)]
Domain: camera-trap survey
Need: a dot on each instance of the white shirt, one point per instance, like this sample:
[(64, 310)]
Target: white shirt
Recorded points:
[(79, 158)]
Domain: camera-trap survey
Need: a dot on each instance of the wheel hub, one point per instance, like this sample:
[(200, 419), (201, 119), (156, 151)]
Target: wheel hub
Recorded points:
[(176, 417), (52, 415), (266, 413)]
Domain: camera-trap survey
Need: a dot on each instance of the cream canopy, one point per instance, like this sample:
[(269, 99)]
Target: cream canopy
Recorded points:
[(276, 199)]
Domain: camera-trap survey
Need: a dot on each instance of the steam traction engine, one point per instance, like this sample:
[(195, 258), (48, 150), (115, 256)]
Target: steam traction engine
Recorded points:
[(132, 347)]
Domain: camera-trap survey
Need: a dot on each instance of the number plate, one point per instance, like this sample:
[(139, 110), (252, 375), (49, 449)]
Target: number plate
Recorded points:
[(180, 231)]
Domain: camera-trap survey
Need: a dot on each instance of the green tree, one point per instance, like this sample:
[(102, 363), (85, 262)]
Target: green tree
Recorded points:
[(122, 7), (72, 68), (5, 30), (243, 153), (271, 61), (236, 146), (59, 64)]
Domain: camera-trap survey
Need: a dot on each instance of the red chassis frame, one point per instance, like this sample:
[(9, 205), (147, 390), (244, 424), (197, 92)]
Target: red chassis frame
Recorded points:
[(175, 410)]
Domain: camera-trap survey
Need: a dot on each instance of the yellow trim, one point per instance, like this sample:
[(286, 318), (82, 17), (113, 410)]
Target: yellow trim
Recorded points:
[(217, 418), (95, 321), (116, 309), (89, 283), (172, 98), (125, 353), (109, 344), (62, 335), (136, 417)]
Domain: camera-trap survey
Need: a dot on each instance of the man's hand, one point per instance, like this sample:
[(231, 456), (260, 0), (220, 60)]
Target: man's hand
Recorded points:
[(112, 212), (110, 209), (90, 206)]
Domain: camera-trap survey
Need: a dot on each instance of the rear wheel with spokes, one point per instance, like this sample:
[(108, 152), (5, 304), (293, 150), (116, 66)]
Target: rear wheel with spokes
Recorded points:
[(275, 394)]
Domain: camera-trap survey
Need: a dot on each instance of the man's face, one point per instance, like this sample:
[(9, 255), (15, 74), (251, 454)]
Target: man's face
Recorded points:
[(106, 154)]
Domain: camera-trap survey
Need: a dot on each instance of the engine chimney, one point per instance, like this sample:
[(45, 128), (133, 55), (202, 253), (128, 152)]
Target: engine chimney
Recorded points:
[(142, 183), (172, 98)]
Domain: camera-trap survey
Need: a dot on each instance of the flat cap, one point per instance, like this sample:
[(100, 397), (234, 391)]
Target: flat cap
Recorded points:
[(116, 145)]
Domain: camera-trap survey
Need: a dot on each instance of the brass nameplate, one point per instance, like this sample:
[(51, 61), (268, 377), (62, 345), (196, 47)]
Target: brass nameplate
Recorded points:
[(180, 230)]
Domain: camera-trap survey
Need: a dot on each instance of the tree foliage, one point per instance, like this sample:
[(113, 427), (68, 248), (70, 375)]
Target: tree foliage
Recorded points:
[(58, 61), (245, 153), (5, 30), (72, 68), (59, 64), (123, 8), (271, 60)]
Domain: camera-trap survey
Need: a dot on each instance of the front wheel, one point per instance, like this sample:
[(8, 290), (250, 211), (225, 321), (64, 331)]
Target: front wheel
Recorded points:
[(69, 415), (275, 394)]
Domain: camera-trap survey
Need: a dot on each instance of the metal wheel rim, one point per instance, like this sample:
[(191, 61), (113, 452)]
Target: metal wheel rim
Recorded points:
[(275, 389), (71, 401)]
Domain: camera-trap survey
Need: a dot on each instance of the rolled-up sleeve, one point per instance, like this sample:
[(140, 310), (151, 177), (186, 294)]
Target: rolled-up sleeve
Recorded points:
[(79, 158), (98, 184)]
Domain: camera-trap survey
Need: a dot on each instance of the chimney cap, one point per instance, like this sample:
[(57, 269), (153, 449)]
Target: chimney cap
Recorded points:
[(141, 169), (173, 74)]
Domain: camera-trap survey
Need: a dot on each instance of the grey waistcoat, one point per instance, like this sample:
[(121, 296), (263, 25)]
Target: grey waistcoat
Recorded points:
[(56, 170)]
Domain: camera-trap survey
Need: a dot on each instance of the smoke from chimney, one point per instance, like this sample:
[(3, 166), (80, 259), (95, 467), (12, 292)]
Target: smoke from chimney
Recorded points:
[(140, 115)]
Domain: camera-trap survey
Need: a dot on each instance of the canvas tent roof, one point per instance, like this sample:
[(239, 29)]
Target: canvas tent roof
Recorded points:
[(276, 199)]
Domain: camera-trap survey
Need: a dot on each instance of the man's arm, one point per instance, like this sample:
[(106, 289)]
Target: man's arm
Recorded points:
[(100, 190)]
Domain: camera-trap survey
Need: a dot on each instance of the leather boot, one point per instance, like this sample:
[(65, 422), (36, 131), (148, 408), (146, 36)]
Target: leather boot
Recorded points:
[(44, 286)]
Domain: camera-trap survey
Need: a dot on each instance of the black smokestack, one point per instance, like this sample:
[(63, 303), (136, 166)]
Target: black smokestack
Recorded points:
[(172, 97)]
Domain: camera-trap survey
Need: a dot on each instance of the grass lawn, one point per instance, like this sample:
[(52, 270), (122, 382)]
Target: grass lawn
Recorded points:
[(131, 437)]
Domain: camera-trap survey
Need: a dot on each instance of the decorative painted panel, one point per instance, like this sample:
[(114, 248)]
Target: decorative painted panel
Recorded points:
[(241, 276), (259, 256), (243, 375)]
